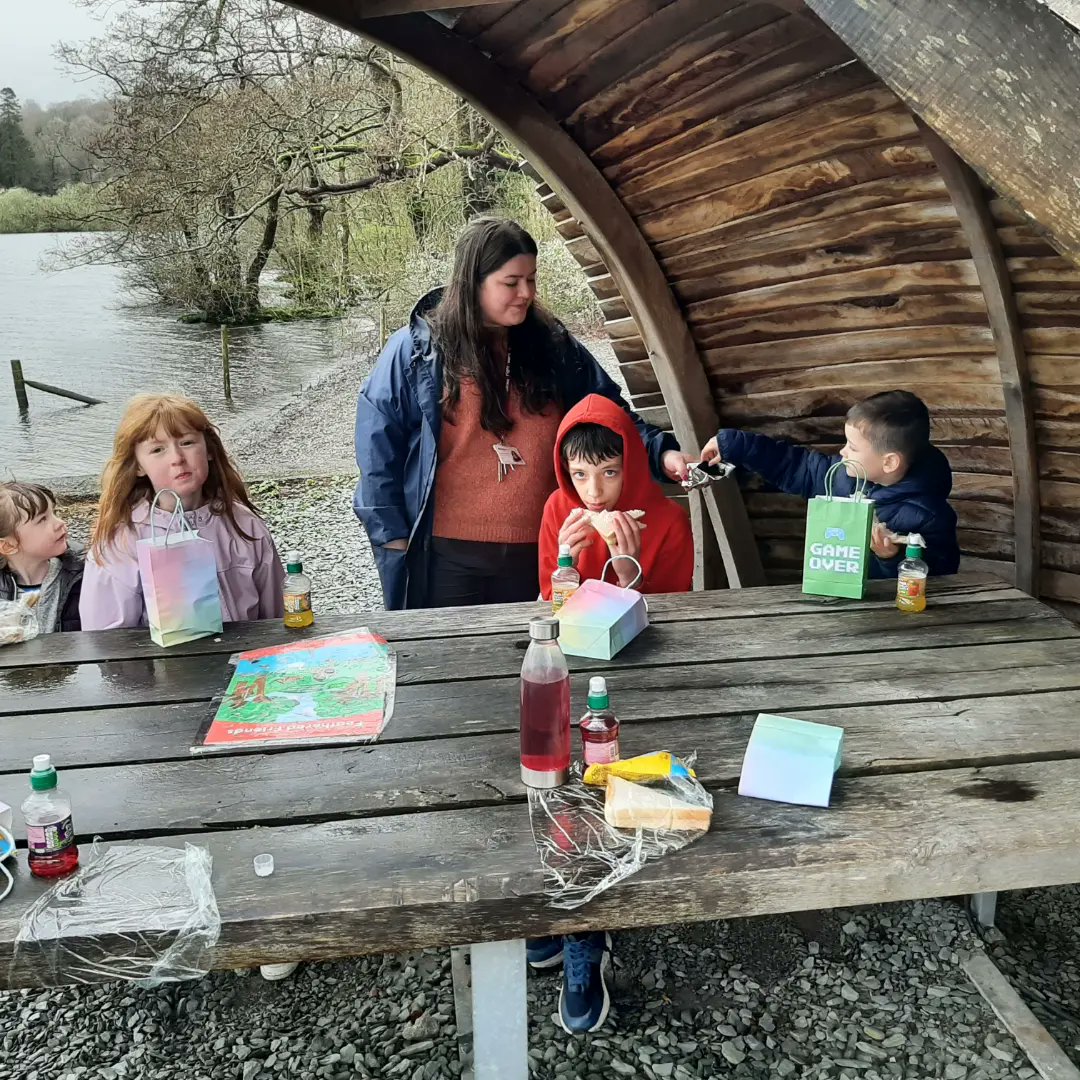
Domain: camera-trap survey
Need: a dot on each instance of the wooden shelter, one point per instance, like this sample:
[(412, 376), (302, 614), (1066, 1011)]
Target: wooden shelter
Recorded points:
[(783, 207)]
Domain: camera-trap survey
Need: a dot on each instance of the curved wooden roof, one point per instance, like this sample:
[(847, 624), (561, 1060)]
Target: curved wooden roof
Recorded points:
[(773, 232)]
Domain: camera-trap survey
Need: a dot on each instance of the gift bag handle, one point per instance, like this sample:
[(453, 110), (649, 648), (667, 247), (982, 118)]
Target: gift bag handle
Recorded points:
[(860, 482), (636, 581), (184, 531)]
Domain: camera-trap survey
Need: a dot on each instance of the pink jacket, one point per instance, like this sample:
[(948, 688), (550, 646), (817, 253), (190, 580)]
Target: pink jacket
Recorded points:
[(250, 575)]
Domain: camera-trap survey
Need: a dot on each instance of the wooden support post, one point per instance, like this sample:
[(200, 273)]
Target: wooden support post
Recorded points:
[(20, 385), (966, 193), (226, 374)]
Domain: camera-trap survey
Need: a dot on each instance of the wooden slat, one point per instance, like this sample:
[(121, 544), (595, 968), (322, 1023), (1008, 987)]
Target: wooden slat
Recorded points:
[(791, 185), (622, 247), (793, 140), (871, 846), (920, 309), (1002, 93), (517, 24), (89, 685)]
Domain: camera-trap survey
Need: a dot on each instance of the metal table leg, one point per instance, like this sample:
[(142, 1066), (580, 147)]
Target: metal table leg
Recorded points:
[(500, 1011), (983, 907)]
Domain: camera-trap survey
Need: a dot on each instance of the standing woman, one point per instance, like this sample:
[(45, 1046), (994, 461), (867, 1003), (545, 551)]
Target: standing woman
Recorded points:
[(455, 430)]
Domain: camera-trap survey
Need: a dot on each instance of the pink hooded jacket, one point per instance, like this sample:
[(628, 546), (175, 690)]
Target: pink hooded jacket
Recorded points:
[(250, 575)]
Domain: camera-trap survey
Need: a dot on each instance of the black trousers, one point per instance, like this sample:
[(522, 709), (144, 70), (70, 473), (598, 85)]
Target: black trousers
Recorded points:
[(463, 572)]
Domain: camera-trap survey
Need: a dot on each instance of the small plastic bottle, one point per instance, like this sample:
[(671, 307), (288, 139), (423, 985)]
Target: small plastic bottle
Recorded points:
[(297, 589), (599, 726), (564, 581), (545, 708), (50, 835), (911, 577)]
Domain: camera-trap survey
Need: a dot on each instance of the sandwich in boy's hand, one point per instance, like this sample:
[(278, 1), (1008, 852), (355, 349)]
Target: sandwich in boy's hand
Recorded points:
[(603, 521)]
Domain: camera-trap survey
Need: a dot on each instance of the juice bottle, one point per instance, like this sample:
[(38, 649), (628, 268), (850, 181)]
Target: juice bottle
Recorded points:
[(564, 581), (911, 577), (50, 835), (297, 589), (599, 726), (545, 708)]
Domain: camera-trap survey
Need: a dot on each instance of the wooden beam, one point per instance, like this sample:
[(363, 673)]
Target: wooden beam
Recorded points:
[(981, 234), (609, 227), (999, 80)]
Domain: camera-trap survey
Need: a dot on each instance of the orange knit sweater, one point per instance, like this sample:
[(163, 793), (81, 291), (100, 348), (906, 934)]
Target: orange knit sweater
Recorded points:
[(470, 502)]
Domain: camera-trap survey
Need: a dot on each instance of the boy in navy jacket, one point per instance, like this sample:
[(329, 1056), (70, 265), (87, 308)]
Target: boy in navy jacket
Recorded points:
[(909, 479)]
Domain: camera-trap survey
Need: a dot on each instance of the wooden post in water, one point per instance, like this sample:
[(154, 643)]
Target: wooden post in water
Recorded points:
[(225, 361), (20, 385)]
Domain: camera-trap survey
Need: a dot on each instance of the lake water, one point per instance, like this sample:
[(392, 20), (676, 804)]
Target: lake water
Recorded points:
[(80, 329)]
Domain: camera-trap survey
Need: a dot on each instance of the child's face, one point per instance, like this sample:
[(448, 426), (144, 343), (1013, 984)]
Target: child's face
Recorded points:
[(598, 486), (179, 462), (880, 468), (42, 537)]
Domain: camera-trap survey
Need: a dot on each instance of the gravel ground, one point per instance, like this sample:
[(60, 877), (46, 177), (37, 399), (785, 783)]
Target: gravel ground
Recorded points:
[(872, 993)]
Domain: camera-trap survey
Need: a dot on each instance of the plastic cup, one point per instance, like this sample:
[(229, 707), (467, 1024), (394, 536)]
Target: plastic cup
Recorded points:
[(264, 865)]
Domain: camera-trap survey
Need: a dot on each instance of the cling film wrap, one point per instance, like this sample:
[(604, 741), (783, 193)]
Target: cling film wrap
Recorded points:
[(582, 854), (133, 912)]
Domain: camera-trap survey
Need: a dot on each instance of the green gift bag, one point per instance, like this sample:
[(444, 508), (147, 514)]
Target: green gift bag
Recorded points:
[(837, 553)]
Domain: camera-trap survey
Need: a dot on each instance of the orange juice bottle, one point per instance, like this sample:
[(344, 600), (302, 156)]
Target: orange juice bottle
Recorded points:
[(297, 589), (911, 577)]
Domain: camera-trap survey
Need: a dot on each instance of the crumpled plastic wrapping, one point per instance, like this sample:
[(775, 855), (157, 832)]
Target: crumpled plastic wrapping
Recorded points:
[(154, 906), (582, 854), (18, 622)]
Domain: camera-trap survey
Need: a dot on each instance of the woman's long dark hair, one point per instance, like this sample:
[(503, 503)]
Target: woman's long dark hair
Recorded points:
[(466, 344)]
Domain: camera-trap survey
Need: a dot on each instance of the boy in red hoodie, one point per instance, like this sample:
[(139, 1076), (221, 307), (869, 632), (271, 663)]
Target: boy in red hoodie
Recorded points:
[(601, 464)]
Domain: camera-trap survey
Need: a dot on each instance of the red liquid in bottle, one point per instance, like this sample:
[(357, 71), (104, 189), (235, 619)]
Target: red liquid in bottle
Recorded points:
[(545, 725), (50, 866)]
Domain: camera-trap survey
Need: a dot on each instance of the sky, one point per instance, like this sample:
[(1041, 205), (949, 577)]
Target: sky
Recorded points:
[(29, 31)]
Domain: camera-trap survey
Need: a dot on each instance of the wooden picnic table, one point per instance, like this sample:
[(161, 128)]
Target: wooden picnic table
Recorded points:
[(961, 773)]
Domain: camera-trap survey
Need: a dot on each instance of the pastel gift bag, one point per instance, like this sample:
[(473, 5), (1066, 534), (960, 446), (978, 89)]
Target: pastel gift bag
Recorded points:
[(599, 619), (179, 580), (837, 553)]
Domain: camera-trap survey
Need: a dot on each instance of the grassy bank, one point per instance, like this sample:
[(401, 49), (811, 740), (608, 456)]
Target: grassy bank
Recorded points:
[(71, 209)]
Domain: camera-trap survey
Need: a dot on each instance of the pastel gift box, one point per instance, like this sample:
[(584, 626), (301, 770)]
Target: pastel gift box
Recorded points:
[(791, 761), (600, 619)]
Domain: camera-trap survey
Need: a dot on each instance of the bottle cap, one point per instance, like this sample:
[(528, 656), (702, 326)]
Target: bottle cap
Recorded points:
[(598, 695), (543, 628), (43, 775), (565, 558), (915, 545), (264, 865), (293, 565)]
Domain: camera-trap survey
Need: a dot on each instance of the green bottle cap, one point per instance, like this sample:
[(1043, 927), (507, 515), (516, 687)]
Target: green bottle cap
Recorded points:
[(43, 775), (293, 565), (913, 551), (598, 695), (565, 558)]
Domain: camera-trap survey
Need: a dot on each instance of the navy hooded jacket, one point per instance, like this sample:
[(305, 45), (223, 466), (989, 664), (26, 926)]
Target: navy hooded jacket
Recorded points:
[(398, 423), (917, 503)]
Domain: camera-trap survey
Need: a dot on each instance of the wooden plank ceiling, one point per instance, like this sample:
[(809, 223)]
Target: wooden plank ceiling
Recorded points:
[(811, 241)]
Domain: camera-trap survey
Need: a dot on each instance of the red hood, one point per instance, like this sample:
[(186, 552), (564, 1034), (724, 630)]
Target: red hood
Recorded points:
[(638, 488)]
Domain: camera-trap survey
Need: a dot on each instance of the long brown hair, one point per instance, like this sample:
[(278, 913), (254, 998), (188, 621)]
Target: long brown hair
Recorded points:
[(466, 345), (122, 489)]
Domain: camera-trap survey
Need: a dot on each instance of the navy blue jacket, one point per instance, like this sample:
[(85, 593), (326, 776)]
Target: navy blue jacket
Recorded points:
[(917, 503), (398, 422)]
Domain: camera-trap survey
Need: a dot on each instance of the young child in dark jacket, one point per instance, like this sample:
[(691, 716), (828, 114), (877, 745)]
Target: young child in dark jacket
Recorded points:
[(888, 434), (36, 563)]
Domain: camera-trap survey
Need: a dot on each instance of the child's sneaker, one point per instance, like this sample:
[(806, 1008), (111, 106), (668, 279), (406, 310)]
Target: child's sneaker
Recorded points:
[(584, 999), (544, 952)]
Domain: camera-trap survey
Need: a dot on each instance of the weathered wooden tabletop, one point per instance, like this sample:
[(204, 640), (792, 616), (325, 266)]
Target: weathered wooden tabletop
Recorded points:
[(961, 768)]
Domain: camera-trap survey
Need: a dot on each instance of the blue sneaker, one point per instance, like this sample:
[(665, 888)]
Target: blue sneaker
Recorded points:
[(544, 952), (584, 999)]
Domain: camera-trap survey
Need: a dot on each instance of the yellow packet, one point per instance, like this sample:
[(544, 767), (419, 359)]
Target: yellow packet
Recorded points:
[(644, 767)]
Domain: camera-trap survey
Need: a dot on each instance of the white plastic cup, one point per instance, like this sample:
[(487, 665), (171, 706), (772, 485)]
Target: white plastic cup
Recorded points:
[(264, 865)]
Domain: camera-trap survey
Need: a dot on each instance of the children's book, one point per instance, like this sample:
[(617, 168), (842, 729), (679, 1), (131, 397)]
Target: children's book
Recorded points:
[(337, 689)]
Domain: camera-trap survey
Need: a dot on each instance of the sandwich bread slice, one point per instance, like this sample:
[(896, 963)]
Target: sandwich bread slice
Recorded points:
[(633, 806), (603, 522)]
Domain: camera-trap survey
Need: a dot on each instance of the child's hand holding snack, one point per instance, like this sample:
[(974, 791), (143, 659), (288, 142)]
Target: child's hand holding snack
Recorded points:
[(882, 542), (626, 541), (576, 532)]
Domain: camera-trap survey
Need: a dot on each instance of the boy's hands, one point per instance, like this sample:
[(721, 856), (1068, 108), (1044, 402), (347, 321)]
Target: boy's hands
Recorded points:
[(576, 532), (881, 542), (711, 451), (627, 542)]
